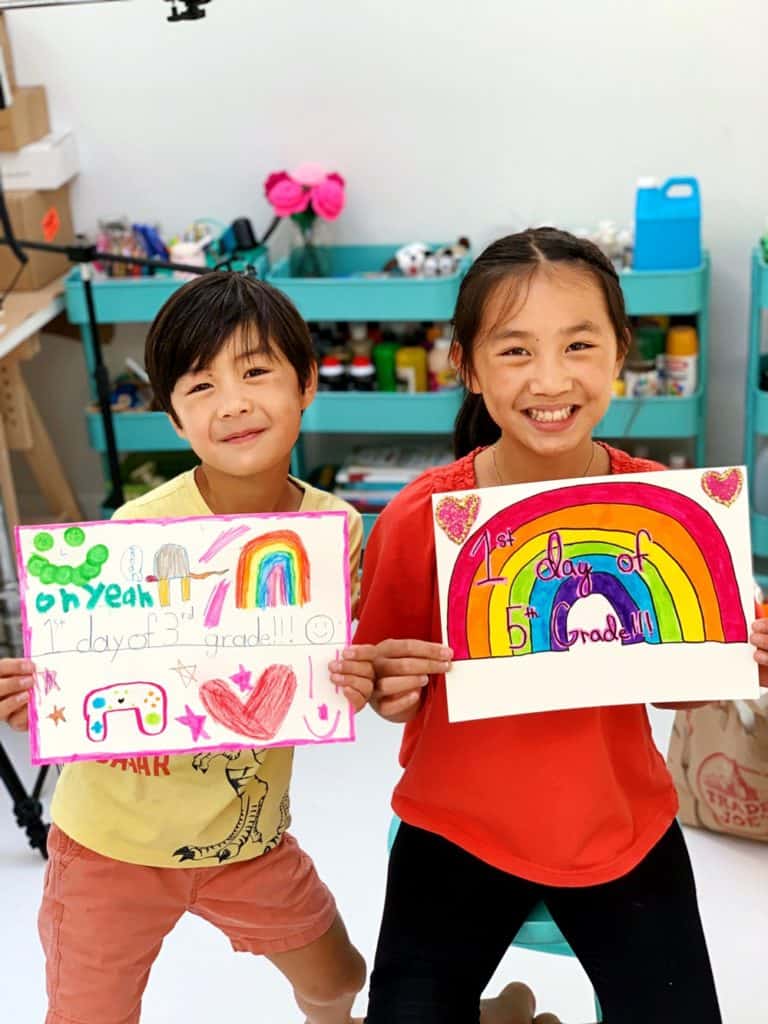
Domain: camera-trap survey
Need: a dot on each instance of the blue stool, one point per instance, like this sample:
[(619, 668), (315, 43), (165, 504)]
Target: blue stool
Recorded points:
[(539, 933)]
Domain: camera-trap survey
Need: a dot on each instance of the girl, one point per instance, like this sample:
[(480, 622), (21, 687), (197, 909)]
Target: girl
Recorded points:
[(575, 808)]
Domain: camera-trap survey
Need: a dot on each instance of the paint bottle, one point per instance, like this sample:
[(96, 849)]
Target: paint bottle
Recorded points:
[(411, 368), (384, 360), (360, 343), (641, 378), (331, 375), (442, 374), (649, 340), (681, 361), (362, 374)]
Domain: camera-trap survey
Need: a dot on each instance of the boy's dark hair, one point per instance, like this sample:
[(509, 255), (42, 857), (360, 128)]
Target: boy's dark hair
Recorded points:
[(199, 319), (518, 256)]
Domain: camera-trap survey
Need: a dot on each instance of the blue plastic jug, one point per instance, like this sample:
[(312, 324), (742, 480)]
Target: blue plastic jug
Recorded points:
[(668, 225)]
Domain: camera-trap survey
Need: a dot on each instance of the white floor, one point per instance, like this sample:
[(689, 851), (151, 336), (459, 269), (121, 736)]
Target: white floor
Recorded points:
[(340, 798)]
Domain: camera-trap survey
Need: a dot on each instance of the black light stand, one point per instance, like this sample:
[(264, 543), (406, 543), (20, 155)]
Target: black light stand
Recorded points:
[(26, 806)]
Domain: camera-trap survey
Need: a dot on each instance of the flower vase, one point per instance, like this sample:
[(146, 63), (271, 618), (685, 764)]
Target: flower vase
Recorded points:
[(308, 259)]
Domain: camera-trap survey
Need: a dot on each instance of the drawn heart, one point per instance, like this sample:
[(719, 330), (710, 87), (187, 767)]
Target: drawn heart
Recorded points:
[(455, 516), (261, 716), (723, 487)]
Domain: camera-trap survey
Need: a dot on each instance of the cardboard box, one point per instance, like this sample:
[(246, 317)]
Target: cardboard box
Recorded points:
[(33, 216), (47, 164), (7, 52), (26, 120)]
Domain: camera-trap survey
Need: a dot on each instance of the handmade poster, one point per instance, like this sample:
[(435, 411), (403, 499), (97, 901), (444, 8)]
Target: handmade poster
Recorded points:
[(582, 593), (198, 634)]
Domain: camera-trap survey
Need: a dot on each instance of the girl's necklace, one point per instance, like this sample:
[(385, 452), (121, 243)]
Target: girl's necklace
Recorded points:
[(498, 474)]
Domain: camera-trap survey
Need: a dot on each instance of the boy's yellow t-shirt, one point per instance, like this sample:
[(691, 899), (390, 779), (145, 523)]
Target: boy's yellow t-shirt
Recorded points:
[(187, 811)]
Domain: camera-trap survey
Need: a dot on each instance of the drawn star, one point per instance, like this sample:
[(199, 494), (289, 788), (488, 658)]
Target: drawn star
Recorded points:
[(242, 678), (195, 723), (186, 672), (50, 682), (57, 715)]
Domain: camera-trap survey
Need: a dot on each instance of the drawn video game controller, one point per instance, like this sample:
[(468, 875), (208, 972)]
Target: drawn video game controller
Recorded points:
[(148, 702)]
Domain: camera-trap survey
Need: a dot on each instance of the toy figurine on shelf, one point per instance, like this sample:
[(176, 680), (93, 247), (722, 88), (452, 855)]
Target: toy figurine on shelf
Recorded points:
[(419, 260)]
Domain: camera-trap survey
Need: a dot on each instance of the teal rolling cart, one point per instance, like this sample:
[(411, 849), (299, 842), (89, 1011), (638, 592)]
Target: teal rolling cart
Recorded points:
[(357, 293), (756, 427)]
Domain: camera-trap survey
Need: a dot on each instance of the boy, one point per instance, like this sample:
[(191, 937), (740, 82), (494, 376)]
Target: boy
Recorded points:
[(231, 363)]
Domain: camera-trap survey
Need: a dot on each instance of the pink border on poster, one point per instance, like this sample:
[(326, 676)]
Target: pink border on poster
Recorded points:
[(34, 725)]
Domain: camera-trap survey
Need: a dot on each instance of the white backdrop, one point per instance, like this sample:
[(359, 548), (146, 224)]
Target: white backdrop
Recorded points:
[(445, 118)]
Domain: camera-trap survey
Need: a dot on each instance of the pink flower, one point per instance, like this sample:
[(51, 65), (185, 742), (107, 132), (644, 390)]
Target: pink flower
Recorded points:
[(287, 197), (309, 174), (274, 179), (328, 197)]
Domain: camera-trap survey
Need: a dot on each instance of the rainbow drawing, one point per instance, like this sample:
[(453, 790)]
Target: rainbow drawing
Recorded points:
[(505, 599), (273, 571)]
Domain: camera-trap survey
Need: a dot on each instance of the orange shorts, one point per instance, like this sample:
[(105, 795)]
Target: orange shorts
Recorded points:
[(102, 921)]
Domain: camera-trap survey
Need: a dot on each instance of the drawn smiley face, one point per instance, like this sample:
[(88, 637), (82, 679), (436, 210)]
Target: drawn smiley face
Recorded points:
[(320, 629)]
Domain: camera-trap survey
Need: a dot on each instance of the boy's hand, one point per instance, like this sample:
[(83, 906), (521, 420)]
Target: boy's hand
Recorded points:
[(759, 640), (354, 673), (16, 680), (403, 668)]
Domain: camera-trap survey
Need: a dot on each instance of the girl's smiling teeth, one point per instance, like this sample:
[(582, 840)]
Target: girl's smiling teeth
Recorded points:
[(558, 415)]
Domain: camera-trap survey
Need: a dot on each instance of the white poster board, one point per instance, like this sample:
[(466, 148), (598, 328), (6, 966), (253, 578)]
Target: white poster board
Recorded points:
[(582, 593), (172, 636)]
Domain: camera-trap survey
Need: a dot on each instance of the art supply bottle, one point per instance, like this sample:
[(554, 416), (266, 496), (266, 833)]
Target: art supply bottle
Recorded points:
[(650, 340), (681, 361), (442, 375), (375, 332), (359, 342), (384, 360), (331, 375), (432, 333), (411, 368), (362, 374), (641, 378)]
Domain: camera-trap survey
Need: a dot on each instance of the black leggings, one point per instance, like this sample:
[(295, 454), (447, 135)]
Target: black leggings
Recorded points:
[(449, 918)]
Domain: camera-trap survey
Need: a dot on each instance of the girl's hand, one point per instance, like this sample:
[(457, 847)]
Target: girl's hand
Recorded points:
[(16, 679), (354, 673), (403, 668), (759, 640)]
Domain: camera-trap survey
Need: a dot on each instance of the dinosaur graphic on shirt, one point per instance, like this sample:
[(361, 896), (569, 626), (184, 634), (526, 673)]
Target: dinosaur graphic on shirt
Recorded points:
[(242, 774)]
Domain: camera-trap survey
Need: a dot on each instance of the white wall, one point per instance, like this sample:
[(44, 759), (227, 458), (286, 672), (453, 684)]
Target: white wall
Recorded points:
[(446, 118)]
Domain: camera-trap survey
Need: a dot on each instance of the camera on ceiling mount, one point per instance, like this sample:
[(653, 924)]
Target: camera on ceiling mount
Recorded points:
[(187, 10)]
